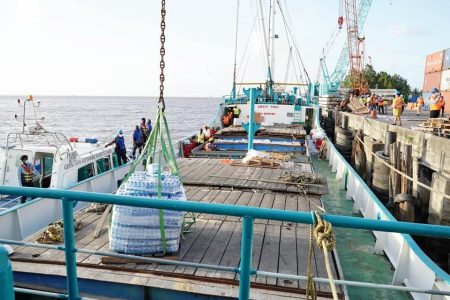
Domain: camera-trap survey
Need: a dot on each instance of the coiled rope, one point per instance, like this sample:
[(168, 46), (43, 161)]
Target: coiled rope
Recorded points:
[(323, 233)]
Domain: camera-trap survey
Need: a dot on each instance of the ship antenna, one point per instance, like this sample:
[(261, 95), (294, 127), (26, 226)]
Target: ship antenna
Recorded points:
[(235, 51)]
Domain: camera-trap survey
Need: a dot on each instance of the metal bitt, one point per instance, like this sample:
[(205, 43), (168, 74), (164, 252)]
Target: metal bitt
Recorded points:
[(70, 250), (246, 258), (6, 276)]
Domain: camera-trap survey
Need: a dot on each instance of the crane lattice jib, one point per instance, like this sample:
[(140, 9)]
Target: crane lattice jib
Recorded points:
[(343, 62)]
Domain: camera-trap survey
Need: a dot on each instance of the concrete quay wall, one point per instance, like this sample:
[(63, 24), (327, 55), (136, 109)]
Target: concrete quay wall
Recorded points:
[(428, 149)]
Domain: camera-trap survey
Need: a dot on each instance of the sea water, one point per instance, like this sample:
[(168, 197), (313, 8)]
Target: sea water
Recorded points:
[(102, 117)]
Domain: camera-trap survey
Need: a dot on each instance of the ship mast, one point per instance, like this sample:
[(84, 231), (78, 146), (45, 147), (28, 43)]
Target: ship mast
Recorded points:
[(233, 92), (272, 38), (266, 47)]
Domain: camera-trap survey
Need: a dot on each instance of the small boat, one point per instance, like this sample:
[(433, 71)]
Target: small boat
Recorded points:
[(60, 163)]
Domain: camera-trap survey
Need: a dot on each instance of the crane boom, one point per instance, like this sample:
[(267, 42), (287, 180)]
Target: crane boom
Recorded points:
[(344, 59)]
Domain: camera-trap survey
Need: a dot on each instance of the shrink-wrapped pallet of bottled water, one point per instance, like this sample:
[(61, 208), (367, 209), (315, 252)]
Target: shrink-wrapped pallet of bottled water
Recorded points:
[(136, 230)]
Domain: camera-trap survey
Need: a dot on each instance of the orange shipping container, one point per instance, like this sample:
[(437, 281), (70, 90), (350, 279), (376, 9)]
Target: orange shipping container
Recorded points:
[(432, 80), (434, 62)]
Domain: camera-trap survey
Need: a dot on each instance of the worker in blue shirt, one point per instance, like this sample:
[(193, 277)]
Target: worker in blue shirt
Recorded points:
[(121, 150), (137, 141)]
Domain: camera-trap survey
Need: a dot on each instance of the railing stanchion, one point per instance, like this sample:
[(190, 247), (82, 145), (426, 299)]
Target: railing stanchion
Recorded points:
[(6, 276), (246, 258), (70, 250)]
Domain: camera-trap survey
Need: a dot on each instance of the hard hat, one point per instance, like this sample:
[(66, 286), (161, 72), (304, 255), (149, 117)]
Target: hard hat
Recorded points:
[(435, 90), (211, 140)]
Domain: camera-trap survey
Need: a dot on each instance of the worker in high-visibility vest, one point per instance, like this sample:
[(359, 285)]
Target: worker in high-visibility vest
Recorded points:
[(419, 105), (441, 103), (434, 107), (397, 105), (25, 171)]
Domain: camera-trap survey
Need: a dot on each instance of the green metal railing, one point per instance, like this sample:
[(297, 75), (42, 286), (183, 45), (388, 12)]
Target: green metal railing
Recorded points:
[(249, 214)]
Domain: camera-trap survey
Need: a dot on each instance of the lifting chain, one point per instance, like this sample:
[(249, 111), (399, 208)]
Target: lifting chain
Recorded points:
[(162, 52)]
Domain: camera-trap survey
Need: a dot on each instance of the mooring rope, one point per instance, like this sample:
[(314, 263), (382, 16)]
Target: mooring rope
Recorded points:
[(323, 232)]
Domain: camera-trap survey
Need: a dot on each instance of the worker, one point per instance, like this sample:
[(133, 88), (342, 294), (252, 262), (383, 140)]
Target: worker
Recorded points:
[(441, 104), (201, 137), (419, 105), (206, 131), (433, 99), (397, 105), (121, 150), (144, 131), (380, 105), (137, 141), (25, 171), (373, 102), (209, 146), (226, 120), (236, 112)]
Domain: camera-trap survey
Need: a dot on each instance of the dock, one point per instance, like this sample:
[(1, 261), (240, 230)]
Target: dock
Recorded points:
[(213, 239)]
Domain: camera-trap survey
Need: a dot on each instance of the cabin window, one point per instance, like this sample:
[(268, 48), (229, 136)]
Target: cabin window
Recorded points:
[(103, 165), (86, 172)]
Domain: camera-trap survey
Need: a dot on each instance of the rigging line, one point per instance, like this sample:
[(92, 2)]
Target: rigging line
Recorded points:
[(235, 46), (293, 39), (269, 30), (289, 43), (264, 33), (255, 19), (254, 31), (260, 38), (288, 64)]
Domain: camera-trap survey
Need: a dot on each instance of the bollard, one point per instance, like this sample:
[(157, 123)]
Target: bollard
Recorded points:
[(344, 122), (391, 137), (6, 276)]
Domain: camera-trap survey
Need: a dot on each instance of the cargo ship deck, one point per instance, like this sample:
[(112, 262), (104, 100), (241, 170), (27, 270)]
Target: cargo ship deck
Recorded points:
[(213, 239)]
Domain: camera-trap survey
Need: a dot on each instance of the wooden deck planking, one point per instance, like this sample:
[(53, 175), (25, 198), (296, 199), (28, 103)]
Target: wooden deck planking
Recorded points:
[(276, 248), (244, 198), (267, 202), (291, 205), (215, 173), (287, 263), (187, 241), (217, 247), (279, 202), (231, 255), (34, 253), (199, 247), (269, 254)]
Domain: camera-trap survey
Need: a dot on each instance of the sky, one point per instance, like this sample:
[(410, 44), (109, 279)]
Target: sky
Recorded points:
[(111, 47)]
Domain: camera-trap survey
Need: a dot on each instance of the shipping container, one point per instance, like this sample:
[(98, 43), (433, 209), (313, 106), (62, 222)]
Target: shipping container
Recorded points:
[(432, 80), (446, 63), (445, 80), (434, 62)]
